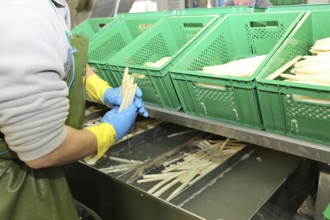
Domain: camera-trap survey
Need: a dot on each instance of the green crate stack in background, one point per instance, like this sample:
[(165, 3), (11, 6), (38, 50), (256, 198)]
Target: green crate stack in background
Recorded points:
[(90, 27), (283, 109), (228, 98), (112, 39), (306, 7), (288, 2), (168, 38)]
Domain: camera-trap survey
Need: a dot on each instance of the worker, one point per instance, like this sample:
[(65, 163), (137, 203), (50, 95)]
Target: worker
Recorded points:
[(41, 66), (257, 3)]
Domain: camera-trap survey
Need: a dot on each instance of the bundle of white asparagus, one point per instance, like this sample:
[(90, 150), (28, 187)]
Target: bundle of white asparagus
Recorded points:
[(128, 89), (187, 168), (158, 63), (311, 69), (242, 67)]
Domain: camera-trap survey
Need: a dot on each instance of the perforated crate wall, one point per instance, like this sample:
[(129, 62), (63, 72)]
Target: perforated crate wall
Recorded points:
[(168, 38), (116, 36), (229, 98)]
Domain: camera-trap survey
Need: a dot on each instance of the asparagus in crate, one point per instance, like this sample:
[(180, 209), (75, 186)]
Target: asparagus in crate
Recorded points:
[(189, 167), (158, 63), (242, 67), (309, 69)]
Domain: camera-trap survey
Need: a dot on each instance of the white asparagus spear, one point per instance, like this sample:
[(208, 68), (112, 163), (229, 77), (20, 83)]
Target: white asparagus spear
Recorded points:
[(283, 68), (168, 186), (155, 177), (190, 176), (323, 78), (163, 182), (128, 91), (124, 82)]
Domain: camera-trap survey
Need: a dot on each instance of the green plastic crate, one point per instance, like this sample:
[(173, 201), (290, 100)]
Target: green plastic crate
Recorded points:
[(90, 27), (326, 213), (306, 7), (168, 38), (288, 2), (229, 99), (282, 110), (112, 39)]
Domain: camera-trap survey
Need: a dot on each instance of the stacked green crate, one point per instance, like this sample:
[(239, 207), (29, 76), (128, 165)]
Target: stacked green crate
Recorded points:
[(90, 27), (288, 2), (283, 109), (229, 98), (306, 7), (168, 38), (112, 39)]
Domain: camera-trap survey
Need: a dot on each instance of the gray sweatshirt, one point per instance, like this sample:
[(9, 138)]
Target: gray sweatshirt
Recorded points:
[(33, 95)]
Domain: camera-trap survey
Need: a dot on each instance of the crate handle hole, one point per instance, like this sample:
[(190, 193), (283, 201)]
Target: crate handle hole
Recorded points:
[(193, 25), (210, 86), (259, 24)]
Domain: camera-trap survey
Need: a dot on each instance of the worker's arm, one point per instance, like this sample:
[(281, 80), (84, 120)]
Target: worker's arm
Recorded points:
[(91, 143), (33, 94), (77, 145)]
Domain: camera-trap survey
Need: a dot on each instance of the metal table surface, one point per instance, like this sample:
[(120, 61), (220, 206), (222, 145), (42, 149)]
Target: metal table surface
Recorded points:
[(282, 143)]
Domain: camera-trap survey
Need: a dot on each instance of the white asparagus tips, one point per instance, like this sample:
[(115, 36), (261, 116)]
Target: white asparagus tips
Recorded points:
[(128, 89), (189, 167)]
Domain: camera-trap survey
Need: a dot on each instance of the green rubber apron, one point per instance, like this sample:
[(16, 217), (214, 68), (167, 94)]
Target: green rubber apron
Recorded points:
[(43, 194)]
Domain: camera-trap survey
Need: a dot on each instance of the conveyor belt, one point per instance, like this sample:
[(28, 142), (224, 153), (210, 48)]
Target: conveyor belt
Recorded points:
[(234, 190)]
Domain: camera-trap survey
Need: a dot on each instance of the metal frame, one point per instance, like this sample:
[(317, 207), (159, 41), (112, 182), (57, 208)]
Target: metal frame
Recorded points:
[(279, 142)]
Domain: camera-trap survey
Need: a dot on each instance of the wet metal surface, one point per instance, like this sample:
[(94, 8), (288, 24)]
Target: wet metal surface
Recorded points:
[(238, 193)]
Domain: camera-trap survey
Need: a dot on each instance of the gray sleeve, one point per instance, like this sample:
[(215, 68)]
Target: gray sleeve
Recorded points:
[(33, 95), (263, 3), (229, 3), (125, 6)]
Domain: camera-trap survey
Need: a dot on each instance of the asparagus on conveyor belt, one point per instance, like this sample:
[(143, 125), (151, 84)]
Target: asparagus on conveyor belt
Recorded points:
[(189, 167)]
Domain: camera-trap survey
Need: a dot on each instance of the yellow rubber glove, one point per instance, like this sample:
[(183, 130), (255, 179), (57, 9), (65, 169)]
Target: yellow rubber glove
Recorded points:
[(95, 88), (106, 136)]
